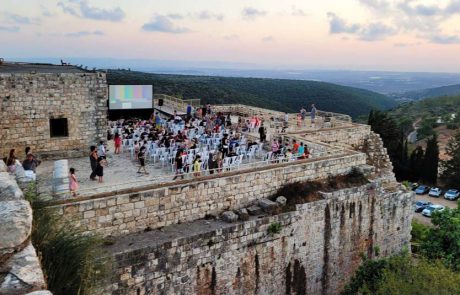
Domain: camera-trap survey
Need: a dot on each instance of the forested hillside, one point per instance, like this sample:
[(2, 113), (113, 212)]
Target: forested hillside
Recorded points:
[(450, 90), (278, 94)]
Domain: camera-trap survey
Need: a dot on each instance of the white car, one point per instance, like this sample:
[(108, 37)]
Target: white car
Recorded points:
[(428, 211), (452, 194), (435, 192)]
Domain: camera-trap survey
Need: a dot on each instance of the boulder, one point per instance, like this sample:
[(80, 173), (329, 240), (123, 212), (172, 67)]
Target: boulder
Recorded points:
[(254, 210), (24, 273), (229, 216), (242, 214), (281, 200), (16, 225), (267, 205), (9, 189)]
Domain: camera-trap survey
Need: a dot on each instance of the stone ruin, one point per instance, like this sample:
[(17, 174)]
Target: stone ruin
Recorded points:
[(227, 233)]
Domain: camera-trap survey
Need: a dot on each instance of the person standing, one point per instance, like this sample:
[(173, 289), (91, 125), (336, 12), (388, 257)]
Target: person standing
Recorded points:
[(100, 169), (303, 114), (313, 115), (262, 133), (11, 161), (73, 183), (179, 165), (117, 142), (93, 161), (141, 157)]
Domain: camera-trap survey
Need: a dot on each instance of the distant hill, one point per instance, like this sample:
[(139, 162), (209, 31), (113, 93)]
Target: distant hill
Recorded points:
[(430, 107), (450, 90), (277, 94)]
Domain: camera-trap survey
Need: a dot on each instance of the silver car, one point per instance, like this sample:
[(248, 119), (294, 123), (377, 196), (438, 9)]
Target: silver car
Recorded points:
[(452, 194), (428, 211)]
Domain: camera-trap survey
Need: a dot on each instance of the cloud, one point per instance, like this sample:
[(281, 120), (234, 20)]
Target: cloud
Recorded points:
[(81, 9), (376, 32), (297, 11), (402, 45), (445, 39), (206, 15), (373, 31), (338, 25), (268, 39), (250, 13), (231, 37), (10, 29), (175, 16), (163, 24), (377, 5), (84, 34)]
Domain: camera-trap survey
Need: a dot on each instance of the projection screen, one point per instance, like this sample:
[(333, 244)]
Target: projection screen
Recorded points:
[(128, 97)]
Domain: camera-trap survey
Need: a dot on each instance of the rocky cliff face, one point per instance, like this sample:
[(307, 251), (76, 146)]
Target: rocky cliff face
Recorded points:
[(20, 270)]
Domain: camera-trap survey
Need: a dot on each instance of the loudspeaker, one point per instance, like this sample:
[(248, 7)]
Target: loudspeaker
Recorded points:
[(203, 111), (160, 102)]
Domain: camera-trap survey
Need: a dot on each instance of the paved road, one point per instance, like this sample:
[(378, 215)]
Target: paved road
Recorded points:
[(441, 201)]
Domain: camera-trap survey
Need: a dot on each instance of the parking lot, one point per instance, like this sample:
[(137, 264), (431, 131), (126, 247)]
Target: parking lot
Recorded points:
[(441, 201)]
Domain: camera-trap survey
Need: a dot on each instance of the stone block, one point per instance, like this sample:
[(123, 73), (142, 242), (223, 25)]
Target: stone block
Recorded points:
[(16, 225), (229, 216), (281, 200), (243, 214), (254, 210), (267, 205), (9, 189)]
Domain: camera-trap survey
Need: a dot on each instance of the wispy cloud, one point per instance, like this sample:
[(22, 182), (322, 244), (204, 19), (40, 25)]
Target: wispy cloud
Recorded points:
[(231, 37), (297, 11), (268, 39), (251, 13), (81, 9), (10, 29), (84, 34), (206, 15), (445, 39), (373, 31), (163, 24)]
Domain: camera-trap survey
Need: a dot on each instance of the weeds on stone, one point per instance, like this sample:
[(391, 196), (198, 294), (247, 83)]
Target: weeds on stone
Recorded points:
[(274, 228)]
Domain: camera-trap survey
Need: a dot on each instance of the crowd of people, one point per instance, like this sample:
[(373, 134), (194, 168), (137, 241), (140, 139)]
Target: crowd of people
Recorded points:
[(202, 139)]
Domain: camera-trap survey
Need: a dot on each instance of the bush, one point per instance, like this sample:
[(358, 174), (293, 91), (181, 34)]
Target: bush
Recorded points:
[(274, 228), (71, 260)]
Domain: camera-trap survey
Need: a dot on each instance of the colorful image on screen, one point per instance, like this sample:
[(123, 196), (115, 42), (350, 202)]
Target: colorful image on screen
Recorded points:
[(129, 97)]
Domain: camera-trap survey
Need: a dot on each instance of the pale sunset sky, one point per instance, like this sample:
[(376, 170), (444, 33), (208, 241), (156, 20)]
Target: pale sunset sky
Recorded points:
[(396, 35)]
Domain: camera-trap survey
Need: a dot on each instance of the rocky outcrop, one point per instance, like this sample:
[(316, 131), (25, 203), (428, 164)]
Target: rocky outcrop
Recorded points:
[(20, 270)]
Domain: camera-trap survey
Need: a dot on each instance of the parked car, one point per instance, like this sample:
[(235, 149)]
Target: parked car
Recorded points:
[(452, 194), (428, 211), (420, 205), (414, 186), (435, 192), (422, 189)]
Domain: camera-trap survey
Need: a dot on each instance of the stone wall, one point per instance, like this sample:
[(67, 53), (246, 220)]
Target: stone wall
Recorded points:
[(316, 252), (20, 270), (118, 214), (353, 136), (28, 101)]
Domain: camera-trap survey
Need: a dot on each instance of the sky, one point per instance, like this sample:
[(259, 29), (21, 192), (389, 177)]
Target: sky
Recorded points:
[(399, 35)]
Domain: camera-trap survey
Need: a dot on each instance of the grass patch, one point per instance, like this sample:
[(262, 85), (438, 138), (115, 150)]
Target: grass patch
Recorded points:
[(274, 228), (308, 191), (71, 261)]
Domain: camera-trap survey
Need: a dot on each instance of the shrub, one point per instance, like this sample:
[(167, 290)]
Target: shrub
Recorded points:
[(274, 228), (70, 259)]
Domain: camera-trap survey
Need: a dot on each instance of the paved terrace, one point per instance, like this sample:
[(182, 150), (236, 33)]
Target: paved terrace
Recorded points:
[(121, 173)]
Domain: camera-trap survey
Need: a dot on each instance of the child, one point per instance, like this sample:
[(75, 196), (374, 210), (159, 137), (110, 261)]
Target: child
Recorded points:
[(100, 169), (117, 142), (197, 167), (73, 183), (141, 157)]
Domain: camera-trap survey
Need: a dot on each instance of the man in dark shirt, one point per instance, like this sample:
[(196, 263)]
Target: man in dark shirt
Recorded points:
[(30, 163), (262, 134)]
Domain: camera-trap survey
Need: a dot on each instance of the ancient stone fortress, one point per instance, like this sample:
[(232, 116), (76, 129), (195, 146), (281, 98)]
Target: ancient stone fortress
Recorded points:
[(230, 233), (56, 110)]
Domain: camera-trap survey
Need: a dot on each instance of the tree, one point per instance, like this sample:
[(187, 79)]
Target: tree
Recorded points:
[(444, 238), (392, 137), (430, 161), (415, 163), (451, 167)]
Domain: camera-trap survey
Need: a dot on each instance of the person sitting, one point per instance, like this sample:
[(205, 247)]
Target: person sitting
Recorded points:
[(30, 163)]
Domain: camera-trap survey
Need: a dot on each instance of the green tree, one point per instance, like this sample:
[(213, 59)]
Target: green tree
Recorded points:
[(443, 240), (430, 161), (407, 276), (415, 163), (451, 167)]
